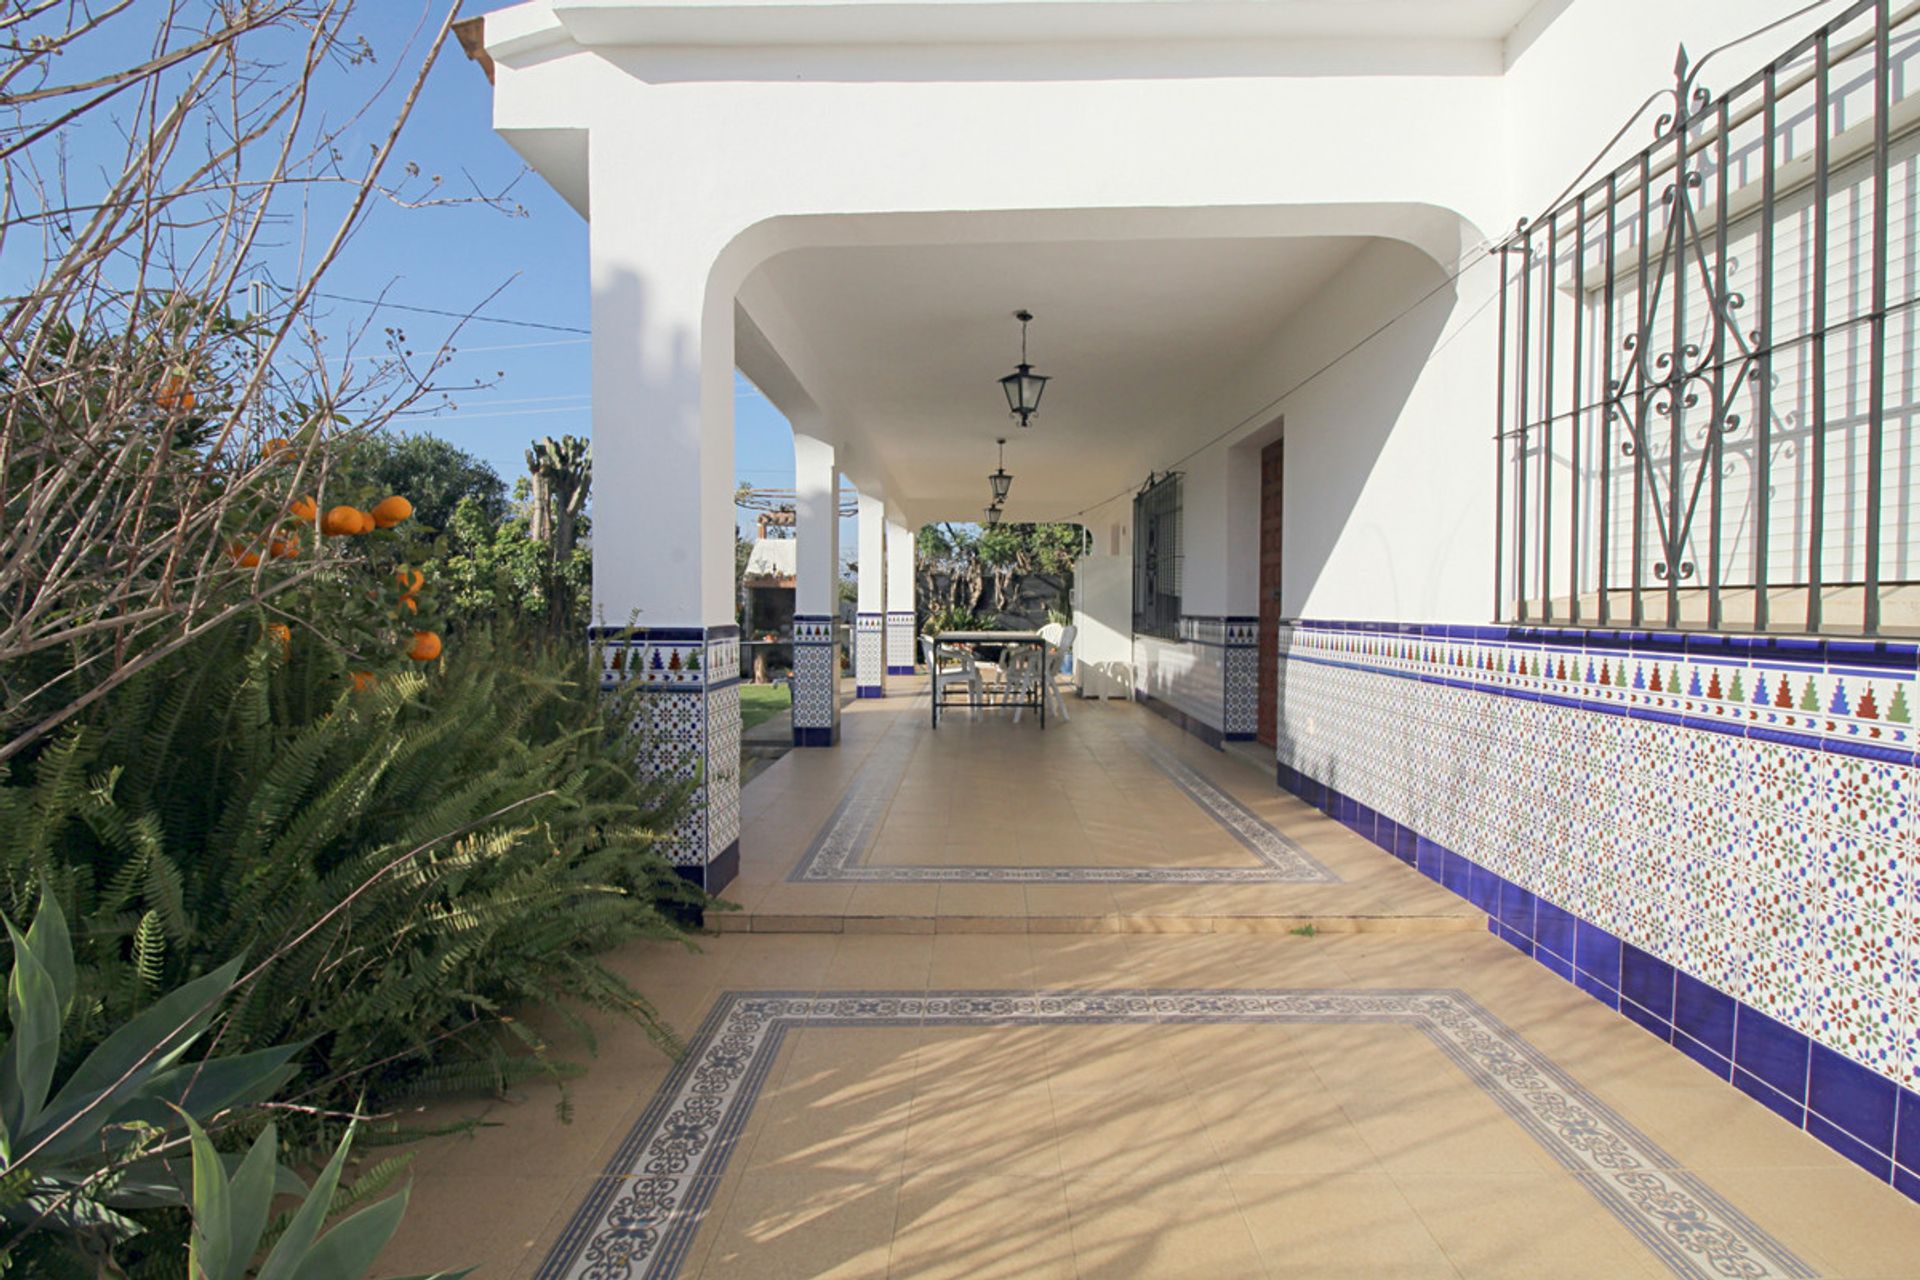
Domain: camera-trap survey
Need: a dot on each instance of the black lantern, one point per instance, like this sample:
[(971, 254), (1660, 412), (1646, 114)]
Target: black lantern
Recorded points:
[(1023, 386), (1000, 481), (993, 515)]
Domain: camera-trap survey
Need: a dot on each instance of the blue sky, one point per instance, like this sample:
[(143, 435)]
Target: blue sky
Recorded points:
[(453, 258), (531, 376)]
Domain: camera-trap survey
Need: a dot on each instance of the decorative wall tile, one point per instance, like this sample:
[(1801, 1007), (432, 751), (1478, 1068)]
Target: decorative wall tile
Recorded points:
[(816, 680), (1741, 810), (686, 721), (869, 654), (900, 655)]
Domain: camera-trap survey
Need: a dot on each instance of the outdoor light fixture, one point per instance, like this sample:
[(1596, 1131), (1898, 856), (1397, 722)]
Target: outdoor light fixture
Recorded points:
[(1000, 481), (993, 515), (1023, 386)]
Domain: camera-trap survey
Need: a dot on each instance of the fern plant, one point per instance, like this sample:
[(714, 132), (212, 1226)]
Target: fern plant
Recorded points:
[(421, 859)]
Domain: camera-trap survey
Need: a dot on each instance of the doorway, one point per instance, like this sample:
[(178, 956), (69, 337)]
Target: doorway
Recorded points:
[(1271, 470)]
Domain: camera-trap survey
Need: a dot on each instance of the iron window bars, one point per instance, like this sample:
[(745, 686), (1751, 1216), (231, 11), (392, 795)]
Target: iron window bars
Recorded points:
[(1156, 557), (1708, 360)]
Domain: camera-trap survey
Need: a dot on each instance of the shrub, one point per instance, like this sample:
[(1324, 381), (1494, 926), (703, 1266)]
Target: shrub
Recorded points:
[(422, 854)]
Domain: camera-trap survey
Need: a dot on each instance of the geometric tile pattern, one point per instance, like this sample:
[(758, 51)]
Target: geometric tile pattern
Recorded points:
[(1240, 683), (837, 852), (1210, 674), (685, 715), (816, 675), (640, 1219), (1743, 811), (869, 655), (900, 642)]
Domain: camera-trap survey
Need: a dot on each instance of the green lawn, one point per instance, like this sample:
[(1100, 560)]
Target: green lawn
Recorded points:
[(762, 702)]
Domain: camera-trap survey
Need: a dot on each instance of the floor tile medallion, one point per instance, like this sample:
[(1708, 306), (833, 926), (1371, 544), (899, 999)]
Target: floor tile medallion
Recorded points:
[(837, 854), (640, 1220)]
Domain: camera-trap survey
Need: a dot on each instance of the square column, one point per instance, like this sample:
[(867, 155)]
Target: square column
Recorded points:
[(869, 652), (816, 597), (900, 597), (667, 643)]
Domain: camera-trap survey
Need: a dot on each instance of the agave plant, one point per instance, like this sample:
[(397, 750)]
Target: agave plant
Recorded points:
[(75, 1157), (230, 1220)]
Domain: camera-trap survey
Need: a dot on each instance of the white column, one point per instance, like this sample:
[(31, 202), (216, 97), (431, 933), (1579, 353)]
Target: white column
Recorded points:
[(816, 597), (869, 623), (663, 523), (901, 624)]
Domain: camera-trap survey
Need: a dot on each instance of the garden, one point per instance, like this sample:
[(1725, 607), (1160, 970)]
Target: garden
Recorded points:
[(309, 797)]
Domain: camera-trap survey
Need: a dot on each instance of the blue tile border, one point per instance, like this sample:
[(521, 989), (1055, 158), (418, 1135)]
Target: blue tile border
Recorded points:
[(1859, 1113)]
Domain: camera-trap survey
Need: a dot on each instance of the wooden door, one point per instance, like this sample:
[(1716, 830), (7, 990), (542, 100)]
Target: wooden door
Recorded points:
[(1270, 473)]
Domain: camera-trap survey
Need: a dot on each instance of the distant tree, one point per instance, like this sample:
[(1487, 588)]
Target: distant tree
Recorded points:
[(561, 472), (436, 475)]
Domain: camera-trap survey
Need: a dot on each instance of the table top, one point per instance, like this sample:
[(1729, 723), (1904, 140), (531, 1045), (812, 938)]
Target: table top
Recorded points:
[(990, 637)]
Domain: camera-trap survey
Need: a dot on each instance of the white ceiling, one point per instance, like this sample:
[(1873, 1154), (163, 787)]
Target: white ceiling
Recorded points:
[(706, 22), (901, 347)]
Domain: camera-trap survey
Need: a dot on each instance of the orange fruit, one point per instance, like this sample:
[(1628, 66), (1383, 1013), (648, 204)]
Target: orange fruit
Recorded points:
[(241, 555), (279, 444), (365, 524), (305, 509), (364, 680), (173, 394), (407, 602), (425, 646), (391, 511), (280, 632), (284, 548), (340, 520), (408, 588)]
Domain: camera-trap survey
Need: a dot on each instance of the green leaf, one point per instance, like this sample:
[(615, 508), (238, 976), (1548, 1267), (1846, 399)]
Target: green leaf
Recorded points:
[(210, 1087), (31, 1054), (347, 1251), (291, 1251), (49, 940), (211, 1242), (252, 1195), (125, 1061)]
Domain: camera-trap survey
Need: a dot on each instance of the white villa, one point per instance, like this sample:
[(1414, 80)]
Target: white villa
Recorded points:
[(1496, 414)]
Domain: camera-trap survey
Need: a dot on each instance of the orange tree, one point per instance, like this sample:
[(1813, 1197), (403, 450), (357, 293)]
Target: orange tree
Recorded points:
[(152, 443)]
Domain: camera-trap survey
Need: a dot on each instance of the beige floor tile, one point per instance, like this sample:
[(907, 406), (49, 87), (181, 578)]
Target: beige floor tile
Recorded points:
[(1008, 1130), (1525, 1226), (1297, 1131), (1116, 1059), (981, 1227), (1337, 1226), (1166, 1229), (889, 962), (1841, 1222), (981, 899), (964, 961), (893, 900), (799, 1226)]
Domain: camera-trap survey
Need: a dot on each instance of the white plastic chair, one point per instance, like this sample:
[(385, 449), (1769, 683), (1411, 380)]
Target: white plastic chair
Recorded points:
[(1057, 657), (959, 668)]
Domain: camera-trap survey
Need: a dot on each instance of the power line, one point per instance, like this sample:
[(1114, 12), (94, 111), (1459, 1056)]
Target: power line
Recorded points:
[(457, 315)]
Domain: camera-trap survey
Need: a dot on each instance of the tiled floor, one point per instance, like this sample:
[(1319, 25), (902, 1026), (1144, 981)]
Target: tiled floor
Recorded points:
[(1112, 821), (1027, 1103), (1159, 1148)]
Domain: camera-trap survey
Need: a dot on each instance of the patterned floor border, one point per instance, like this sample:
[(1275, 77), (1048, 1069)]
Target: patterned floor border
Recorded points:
[(640, 1219), (835, 856)]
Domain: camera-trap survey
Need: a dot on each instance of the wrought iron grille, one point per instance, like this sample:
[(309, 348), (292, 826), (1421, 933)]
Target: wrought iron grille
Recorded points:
[(1708, 358), (1156, 557)]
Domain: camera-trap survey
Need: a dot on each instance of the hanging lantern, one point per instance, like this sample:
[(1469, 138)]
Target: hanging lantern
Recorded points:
[(993, 516), (1000, 481), (1023, 386)]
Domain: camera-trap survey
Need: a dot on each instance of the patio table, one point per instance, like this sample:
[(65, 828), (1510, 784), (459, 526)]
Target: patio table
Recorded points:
[(1005, 640)]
